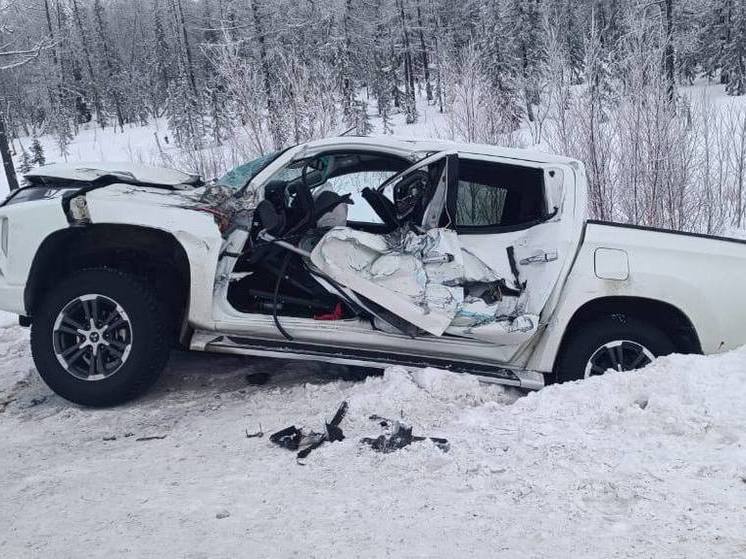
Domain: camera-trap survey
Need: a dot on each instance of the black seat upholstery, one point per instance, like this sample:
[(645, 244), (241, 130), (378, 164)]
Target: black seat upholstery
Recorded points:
[(326, 202)]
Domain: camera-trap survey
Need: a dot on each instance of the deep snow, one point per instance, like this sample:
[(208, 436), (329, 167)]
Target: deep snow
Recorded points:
[(651, 464)]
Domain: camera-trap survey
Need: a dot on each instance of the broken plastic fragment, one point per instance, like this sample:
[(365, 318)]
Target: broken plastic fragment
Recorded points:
[(293, 438), (401, 436)]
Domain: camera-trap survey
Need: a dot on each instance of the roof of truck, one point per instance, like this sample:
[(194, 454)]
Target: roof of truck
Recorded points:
[(429, 145)]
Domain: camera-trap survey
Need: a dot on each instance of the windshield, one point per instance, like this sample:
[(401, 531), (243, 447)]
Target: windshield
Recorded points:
[(240, 176)]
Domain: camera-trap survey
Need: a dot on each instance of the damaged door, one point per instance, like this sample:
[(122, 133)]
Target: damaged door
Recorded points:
[(476, 252), (509, 217), (415, 270)]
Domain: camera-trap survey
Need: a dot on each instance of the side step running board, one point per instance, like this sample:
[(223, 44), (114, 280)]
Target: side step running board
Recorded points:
[(210, 341)]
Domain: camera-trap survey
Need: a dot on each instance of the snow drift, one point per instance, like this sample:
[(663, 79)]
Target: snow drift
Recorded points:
[(651, 463)]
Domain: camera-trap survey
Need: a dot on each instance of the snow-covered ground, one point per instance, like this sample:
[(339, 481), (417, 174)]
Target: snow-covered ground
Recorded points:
[(651, 464)]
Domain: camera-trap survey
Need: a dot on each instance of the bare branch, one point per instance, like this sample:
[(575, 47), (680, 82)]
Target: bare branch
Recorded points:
[(25, 56)]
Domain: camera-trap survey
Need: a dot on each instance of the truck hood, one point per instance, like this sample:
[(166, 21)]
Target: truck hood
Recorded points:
[(127, 173), (137, 183), (125, 184)]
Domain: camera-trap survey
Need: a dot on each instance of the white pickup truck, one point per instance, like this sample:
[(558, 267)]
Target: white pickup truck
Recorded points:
[(365, 251)]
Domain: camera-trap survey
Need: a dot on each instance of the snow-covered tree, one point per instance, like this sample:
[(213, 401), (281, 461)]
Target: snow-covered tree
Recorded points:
[(37, 153), (734, 48)]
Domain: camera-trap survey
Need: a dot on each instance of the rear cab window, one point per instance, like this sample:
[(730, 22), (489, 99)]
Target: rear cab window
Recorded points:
[(496, 196)]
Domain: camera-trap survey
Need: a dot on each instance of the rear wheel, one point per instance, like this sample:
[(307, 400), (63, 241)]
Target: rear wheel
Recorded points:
[(100, 337), (617, 342)]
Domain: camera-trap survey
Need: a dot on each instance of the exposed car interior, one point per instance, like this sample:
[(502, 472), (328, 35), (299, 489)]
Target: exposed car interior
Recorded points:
[(301, 202), (362, 191)]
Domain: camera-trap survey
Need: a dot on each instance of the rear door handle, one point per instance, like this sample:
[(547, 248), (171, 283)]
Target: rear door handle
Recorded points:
[(540, 258)]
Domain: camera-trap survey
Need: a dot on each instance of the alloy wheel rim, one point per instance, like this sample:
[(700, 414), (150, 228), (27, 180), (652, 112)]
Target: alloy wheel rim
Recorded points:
[(618, 355), (92, 337)]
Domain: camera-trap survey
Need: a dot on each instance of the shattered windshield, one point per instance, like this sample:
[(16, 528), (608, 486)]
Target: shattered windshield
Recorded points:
[(240, 176)]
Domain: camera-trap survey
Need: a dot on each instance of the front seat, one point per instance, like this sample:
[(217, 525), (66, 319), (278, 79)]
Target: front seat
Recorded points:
[(330, 209)]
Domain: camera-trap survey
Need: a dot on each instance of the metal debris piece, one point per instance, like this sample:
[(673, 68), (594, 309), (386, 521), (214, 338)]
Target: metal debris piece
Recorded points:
[(258, 434), (401, 436), (305, 442), (382, 421)]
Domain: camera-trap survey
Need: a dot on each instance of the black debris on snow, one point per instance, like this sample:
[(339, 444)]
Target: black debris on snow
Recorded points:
[(305, 442)]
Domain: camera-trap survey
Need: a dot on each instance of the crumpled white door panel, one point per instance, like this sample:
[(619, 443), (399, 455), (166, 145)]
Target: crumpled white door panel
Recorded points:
[(414, 276), (421, 278)]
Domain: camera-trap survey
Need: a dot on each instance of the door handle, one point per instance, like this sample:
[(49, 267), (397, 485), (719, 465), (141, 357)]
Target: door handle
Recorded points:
[(540, 258)]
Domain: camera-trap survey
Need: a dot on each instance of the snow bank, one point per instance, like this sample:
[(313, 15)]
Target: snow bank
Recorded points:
[(646, 464)]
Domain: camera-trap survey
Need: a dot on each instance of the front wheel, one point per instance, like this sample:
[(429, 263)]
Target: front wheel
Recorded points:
[(100, 337), (616, 342)]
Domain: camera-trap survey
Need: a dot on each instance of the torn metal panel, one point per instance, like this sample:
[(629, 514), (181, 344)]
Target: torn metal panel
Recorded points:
[(476, 271), (503, 331), (414, 276), (434, 209), (229, 211), (493, 318), (429, 281)]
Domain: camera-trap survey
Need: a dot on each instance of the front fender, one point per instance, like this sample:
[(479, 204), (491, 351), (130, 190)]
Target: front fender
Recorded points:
[(174, 213)]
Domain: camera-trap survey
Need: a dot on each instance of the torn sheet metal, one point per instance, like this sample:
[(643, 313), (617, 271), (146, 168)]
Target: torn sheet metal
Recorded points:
[(225, 207), (428, 280), (500, 320), (416, 277)]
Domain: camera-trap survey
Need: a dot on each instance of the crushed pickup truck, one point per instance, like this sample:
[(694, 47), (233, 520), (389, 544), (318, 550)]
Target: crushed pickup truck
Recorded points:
[(365, 251)]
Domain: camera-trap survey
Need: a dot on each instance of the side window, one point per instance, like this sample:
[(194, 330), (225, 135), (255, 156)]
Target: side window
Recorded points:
[(354, 183), (341, 172), (497, 195), (479, 205)]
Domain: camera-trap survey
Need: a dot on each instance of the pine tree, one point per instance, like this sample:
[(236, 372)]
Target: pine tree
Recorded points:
[(410, 103), (25, 165), (500, 64), (526, 21), (362, 123), (160, 62), (734, 50), (83, 34), (37, 153), (183, 113), (111, 62)]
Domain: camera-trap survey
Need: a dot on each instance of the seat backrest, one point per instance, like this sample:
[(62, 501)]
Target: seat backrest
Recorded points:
[(331, 209), (271, 221)]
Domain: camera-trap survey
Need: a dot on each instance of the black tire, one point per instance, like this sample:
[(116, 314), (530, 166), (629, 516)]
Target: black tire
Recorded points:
[(591, 337), (147, 330)]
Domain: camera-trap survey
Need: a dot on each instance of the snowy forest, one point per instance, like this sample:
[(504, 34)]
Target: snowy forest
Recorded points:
[(614, 83)]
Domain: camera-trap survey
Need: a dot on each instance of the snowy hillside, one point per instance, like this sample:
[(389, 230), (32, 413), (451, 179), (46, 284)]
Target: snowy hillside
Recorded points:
[(651, 464)]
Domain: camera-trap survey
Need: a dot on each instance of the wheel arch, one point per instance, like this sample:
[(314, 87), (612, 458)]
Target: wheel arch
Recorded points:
[(148, 252), (668, 318)]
